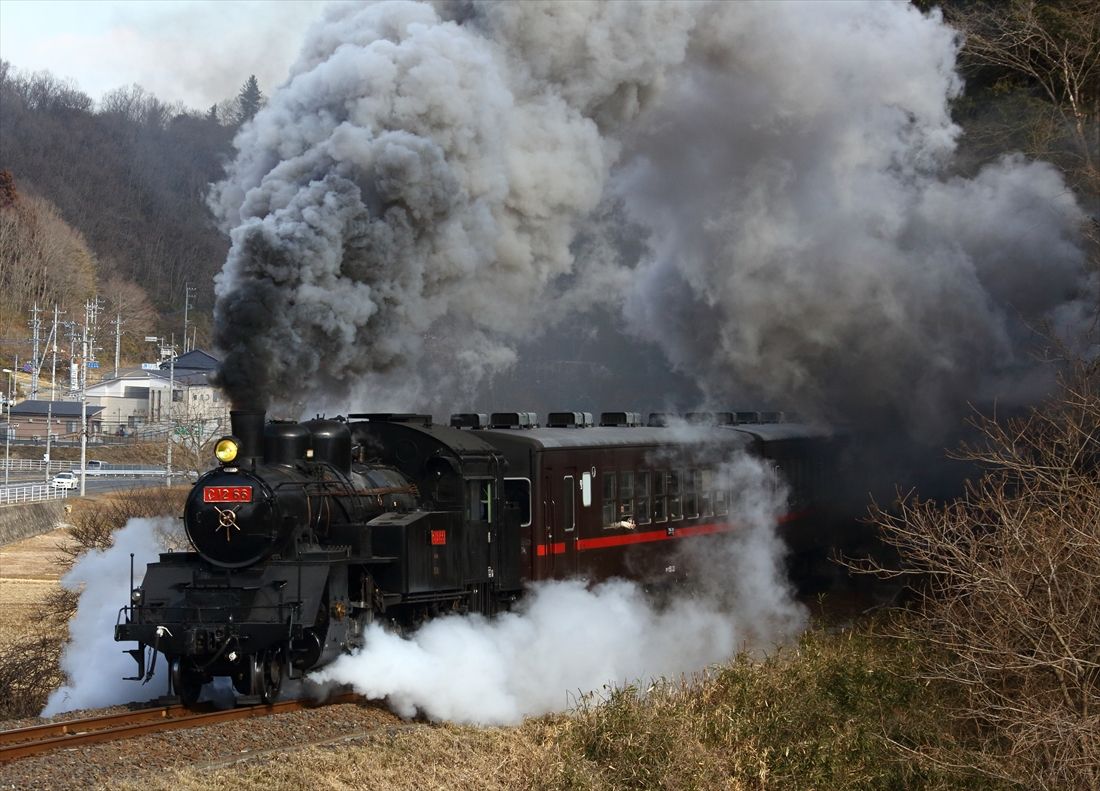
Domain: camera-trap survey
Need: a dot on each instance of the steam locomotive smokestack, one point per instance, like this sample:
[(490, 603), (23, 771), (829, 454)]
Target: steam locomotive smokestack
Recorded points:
[(248, 427)]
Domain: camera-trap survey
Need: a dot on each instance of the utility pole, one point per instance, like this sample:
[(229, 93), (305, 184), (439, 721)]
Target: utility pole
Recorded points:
[(188, 295), (118, 339), (53, 394), (91, 318), (7, 425), (73, 369), (53, 369), (171, 400), (84, 404), (36, 326)]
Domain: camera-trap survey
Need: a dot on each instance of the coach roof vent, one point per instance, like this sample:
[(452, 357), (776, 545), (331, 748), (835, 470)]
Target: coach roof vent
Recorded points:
[(469, 420), (621, 419), (747, 417), (514, 420), (710, 418), (657, 419), (570, 420)]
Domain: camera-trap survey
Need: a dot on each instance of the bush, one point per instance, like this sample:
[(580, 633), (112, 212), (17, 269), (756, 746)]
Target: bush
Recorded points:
[(1010, 590), (29, 672), (836, 712), (29, 668), (93, 526)]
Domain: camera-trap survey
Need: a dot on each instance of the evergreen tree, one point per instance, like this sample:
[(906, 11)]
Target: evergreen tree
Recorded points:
[(249, 100)]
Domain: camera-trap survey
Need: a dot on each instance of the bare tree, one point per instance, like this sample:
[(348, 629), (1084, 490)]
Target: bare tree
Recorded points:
[(42, 258), (1055, 47), (1009, 609)]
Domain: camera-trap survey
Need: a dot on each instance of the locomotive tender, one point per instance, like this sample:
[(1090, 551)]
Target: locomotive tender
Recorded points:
[(307, 532)]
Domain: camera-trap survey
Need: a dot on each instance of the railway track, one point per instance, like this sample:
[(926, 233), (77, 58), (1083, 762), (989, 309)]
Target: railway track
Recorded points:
[(36, 739)]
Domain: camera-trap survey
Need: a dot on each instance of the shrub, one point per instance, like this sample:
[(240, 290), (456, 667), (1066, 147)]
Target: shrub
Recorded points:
[(1010, 593), (29, 668), (831, 712)]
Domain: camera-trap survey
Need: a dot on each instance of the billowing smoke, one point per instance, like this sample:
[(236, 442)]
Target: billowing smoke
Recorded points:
[(94, 664), (403, 210), (566, 639), (410, 192), (808, 242)]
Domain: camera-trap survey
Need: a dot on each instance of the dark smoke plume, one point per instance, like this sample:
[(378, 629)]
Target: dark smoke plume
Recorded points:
[(406, 208), (410, 192)]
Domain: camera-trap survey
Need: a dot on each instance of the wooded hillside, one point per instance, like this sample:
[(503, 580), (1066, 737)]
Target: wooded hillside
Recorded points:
[(128, 178)]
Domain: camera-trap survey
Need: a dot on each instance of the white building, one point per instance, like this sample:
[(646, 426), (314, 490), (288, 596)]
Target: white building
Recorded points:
[(140, 396)]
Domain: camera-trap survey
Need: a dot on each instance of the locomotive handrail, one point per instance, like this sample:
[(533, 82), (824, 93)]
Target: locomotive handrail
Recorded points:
[(169, 615)]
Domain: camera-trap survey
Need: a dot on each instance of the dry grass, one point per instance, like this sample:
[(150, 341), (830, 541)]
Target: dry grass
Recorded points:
[(827, 714), (35, 610), (418, 759), (151, 452), (29, 648)]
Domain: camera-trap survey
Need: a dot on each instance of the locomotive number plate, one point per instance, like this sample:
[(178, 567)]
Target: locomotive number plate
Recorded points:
[(227, 494)]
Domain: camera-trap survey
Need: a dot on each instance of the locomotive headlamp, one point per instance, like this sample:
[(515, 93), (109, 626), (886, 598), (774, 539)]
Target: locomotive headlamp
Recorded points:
[(226, 449)]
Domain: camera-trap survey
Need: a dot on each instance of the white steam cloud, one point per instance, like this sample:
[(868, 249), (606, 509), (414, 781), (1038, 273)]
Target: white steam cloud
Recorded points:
[(94, 664), (566, 639)]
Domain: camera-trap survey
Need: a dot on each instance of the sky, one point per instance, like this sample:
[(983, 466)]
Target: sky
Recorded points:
[(195, 51)]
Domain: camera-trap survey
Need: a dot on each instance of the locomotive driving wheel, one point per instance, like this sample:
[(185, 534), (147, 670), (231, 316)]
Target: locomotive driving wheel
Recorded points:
[(186, 682), (272, 675), (262, 676)]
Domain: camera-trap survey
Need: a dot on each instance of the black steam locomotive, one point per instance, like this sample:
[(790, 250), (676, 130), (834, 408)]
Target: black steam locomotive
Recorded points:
[(307, 532)]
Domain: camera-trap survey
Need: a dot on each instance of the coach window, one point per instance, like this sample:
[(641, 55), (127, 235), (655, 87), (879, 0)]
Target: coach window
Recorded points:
[(641, 498), (660, 498), (626, 497), (703, 483), (675, 478), (517, 492), (609, 493), (479, 500), (721, 502), (691, 505), (797, 494)]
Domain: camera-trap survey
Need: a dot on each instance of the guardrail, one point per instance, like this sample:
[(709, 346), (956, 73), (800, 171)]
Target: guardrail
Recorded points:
[(118, 471), (100, 469), (13, 495), (37, 464)]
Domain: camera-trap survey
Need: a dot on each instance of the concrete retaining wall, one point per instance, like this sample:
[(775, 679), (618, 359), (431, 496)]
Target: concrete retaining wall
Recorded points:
[(23, 521)]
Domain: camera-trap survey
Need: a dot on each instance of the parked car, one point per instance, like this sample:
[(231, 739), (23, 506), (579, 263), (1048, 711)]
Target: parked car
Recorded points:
[(65, 480)]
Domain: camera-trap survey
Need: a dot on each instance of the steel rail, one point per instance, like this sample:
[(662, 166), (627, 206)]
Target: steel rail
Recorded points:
[(36, 739)]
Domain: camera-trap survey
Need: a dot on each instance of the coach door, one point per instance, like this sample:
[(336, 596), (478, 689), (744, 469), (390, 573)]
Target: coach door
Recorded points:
[(561, 516)]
